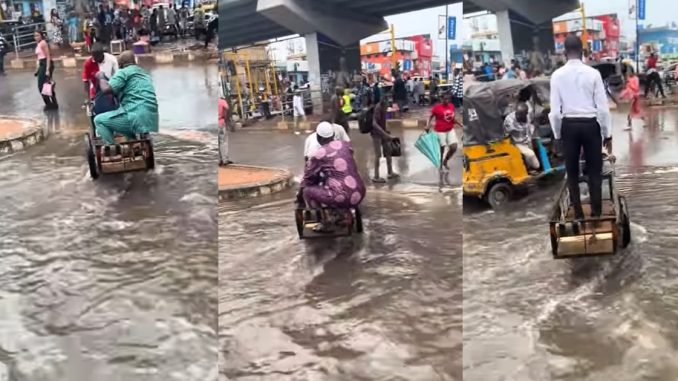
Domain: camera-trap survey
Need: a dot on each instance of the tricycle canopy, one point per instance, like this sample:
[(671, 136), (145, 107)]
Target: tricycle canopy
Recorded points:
[(486, 104)]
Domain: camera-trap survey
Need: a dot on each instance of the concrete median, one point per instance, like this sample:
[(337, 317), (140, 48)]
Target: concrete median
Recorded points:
[(17, 134)]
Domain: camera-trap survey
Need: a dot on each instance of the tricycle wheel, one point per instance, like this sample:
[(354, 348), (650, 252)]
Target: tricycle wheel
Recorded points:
[(299, 220), (498, 195), (358, 221), (150, 159), (91, 157), (626, 223)]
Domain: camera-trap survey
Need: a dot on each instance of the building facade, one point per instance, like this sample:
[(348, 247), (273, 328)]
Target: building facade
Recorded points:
[(604, 32), (414, 55), (661, 39)]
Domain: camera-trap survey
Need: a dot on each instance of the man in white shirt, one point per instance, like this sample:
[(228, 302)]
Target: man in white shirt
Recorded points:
[(324, 130), (298, 108), (580, 118)]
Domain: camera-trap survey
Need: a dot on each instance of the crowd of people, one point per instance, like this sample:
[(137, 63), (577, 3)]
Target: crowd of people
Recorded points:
[(150, 24)]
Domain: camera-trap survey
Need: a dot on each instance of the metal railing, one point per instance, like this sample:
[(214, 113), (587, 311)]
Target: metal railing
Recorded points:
[(22, 36)]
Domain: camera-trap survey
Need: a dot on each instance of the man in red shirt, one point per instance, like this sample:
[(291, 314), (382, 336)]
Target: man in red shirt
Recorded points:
[(653, 75), (443, 113), (100, 61)]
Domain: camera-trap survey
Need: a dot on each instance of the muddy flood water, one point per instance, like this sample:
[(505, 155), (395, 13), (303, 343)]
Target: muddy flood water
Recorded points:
[(382, 305), (114, 279)]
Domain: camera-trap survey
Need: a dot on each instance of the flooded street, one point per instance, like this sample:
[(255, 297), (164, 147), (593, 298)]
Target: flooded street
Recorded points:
[(529, 317), (382, 305), (113, 279)]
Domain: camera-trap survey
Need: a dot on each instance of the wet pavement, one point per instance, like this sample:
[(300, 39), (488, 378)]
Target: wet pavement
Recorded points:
[(382, 305), (113, 279), (529, 317)]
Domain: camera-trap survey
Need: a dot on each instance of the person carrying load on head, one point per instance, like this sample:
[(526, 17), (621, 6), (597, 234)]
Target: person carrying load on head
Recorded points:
[(138, 111)]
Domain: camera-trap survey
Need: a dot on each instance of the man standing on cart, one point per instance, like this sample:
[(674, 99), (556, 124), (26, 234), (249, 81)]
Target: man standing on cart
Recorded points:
[(138, 111), (580, 118)]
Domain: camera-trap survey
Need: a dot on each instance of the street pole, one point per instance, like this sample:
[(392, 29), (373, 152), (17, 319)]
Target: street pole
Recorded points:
[(584, 33), (394, 50), (637, 42), (447, 51)]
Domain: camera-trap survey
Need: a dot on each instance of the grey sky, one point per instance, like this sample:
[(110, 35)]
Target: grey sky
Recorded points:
[(658, 12)]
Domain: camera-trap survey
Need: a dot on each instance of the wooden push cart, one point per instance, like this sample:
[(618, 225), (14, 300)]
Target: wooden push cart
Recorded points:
[(591, 237), (124, 156)]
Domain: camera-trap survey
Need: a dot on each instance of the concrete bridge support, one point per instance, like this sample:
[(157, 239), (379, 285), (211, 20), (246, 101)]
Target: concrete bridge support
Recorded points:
[(330, 34)]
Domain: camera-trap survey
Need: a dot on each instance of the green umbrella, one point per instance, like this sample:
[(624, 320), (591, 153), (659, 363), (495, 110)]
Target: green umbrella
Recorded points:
[(429, 145)]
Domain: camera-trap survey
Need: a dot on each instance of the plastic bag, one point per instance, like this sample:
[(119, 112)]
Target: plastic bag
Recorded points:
[(47, 89)]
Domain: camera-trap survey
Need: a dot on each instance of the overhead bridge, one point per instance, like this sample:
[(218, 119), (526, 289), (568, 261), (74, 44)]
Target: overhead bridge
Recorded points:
[(243, 22)]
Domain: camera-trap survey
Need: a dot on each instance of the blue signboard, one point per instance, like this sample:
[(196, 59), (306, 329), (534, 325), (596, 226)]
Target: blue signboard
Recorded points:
[(597, 45), (407, 65), (452, 27), (641, 9)]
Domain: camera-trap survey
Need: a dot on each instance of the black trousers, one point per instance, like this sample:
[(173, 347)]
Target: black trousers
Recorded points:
[(342, 120), (654, 77), (578, 134)]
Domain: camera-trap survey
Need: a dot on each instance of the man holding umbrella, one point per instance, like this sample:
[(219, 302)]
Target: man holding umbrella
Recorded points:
[(443, 113)]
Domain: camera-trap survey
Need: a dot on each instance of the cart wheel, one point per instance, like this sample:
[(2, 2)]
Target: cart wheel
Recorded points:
[(91, 157), (358, 221), (499, 194), (150, 159), (299, 220), (626, 223)]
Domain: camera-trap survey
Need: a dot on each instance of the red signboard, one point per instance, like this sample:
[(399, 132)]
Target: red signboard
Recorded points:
[(611, 25), (423, 45), (612, 29)]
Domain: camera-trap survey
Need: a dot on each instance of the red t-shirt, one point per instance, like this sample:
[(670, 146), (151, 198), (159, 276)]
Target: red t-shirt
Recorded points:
[(223, 108), (652, 62), (444, 117), (89, 71)]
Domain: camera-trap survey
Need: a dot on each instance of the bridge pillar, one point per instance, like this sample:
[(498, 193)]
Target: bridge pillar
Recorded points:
[(324, 57), (505, 36)]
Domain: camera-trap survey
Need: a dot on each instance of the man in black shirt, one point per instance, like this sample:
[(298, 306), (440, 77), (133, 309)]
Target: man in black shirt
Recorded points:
[(400, 92)]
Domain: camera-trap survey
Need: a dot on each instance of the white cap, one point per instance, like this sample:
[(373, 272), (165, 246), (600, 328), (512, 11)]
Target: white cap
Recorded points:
[(325, 130)]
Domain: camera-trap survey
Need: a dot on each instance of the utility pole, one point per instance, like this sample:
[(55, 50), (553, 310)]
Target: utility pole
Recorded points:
[(447, 45), (584, 33), (637, 41), (394, 50)]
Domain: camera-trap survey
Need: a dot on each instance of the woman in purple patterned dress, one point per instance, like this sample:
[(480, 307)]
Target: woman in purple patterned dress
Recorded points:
[(331, 176)]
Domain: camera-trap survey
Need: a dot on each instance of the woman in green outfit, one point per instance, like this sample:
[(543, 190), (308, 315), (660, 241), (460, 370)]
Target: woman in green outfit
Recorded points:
[(45, 69)]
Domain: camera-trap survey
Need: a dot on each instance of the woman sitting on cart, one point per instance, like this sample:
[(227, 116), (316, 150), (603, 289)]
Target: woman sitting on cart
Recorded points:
[(138, 111), (331, 177)]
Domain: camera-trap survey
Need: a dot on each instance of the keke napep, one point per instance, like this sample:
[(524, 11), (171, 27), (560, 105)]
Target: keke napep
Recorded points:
[(493, 167)]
